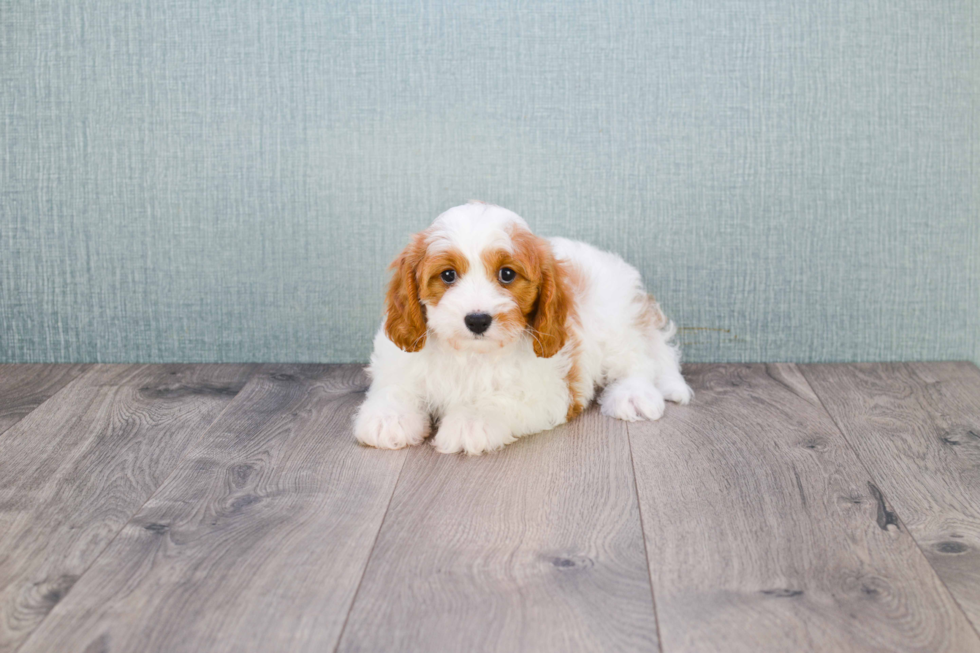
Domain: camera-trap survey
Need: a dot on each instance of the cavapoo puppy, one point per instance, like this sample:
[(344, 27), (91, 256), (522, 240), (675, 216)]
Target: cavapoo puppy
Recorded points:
[(497, 333)]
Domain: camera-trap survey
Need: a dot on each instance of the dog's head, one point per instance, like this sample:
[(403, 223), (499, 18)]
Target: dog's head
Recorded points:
[(477, 279)]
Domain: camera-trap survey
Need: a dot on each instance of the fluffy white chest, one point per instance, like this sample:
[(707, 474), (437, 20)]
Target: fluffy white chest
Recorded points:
[(513, 384)]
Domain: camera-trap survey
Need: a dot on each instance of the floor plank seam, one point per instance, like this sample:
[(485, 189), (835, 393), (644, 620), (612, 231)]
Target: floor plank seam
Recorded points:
[(911, 373), (884, 498), (367, 562), (646, 550), (105, 548)]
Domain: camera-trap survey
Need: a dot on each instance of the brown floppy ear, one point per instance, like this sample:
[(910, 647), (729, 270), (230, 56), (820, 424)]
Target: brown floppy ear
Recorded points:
[(554, 303), (405, 321)]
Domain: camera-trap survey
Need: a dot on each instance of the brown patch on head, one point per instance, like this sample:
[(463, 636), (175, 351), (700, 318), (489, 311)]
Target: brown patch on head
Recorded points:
[(540, 290), (416, 280), (431, 285), (405, 315), (523, 289), (554, 299)]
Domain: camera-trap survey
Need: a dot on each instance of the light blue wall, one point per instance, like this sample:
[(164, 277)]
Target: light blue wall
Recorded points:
[(215, 181)]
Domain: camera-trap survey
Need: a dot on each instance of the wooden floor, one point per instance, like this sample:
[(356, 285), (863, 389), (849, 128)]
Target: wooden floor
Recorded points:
[(228, 508)]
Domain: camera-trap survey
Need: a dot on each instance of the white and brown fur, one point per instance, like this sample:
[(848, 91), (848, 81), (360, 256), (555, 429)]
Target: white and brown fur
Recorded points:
[(574, 319)]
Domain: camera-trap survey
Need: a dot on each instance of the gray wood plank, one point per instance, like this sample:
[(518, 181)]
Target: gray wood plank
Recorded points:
[(24, 387), (255, 543), (535, 548), (74, 470), (765, 533), (916, 427)]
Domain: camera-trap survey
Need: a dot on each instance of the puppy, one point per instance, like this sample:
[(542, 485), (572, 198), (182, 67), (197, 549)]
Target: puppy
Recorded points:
[(497, 333)]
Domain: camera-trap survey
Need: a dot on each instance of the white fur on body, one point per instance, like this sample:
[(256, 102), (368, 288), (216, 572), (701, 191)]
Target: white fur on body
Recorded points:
[(486, 394)]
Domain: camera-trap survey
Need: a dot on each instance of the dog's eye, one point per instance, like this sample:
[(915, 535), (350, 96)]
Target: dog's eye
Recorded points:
[(506, 275), (448, 276)]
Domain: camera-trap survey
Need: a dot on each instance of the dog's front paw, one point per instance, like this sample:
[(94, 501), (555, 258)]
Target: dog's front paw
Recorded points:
[(674, 388), (632, 399), (389, 427), (471, 434)]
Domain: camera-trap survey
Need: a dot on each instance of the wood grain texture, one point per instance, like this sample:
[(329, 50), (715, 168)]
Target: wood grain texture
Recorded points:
[(916, 427), (765, 533), (24, 387), (255, 543), (74, 470), (535, 548)]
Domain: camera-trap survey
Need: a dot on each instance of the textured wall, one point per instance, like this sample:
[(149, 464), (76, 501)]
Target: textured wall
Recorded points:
[(185, 180)]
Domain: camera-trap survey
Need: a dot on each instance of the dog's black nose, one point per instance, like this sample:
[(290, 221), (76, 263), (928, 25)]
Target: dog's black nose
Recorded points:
[(478, 322)]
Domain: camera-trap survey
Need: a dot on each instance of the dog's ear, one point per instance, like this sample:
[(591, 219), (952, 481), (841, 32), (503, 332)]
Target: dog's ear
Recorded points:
[(405, 321), (554, 303)]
